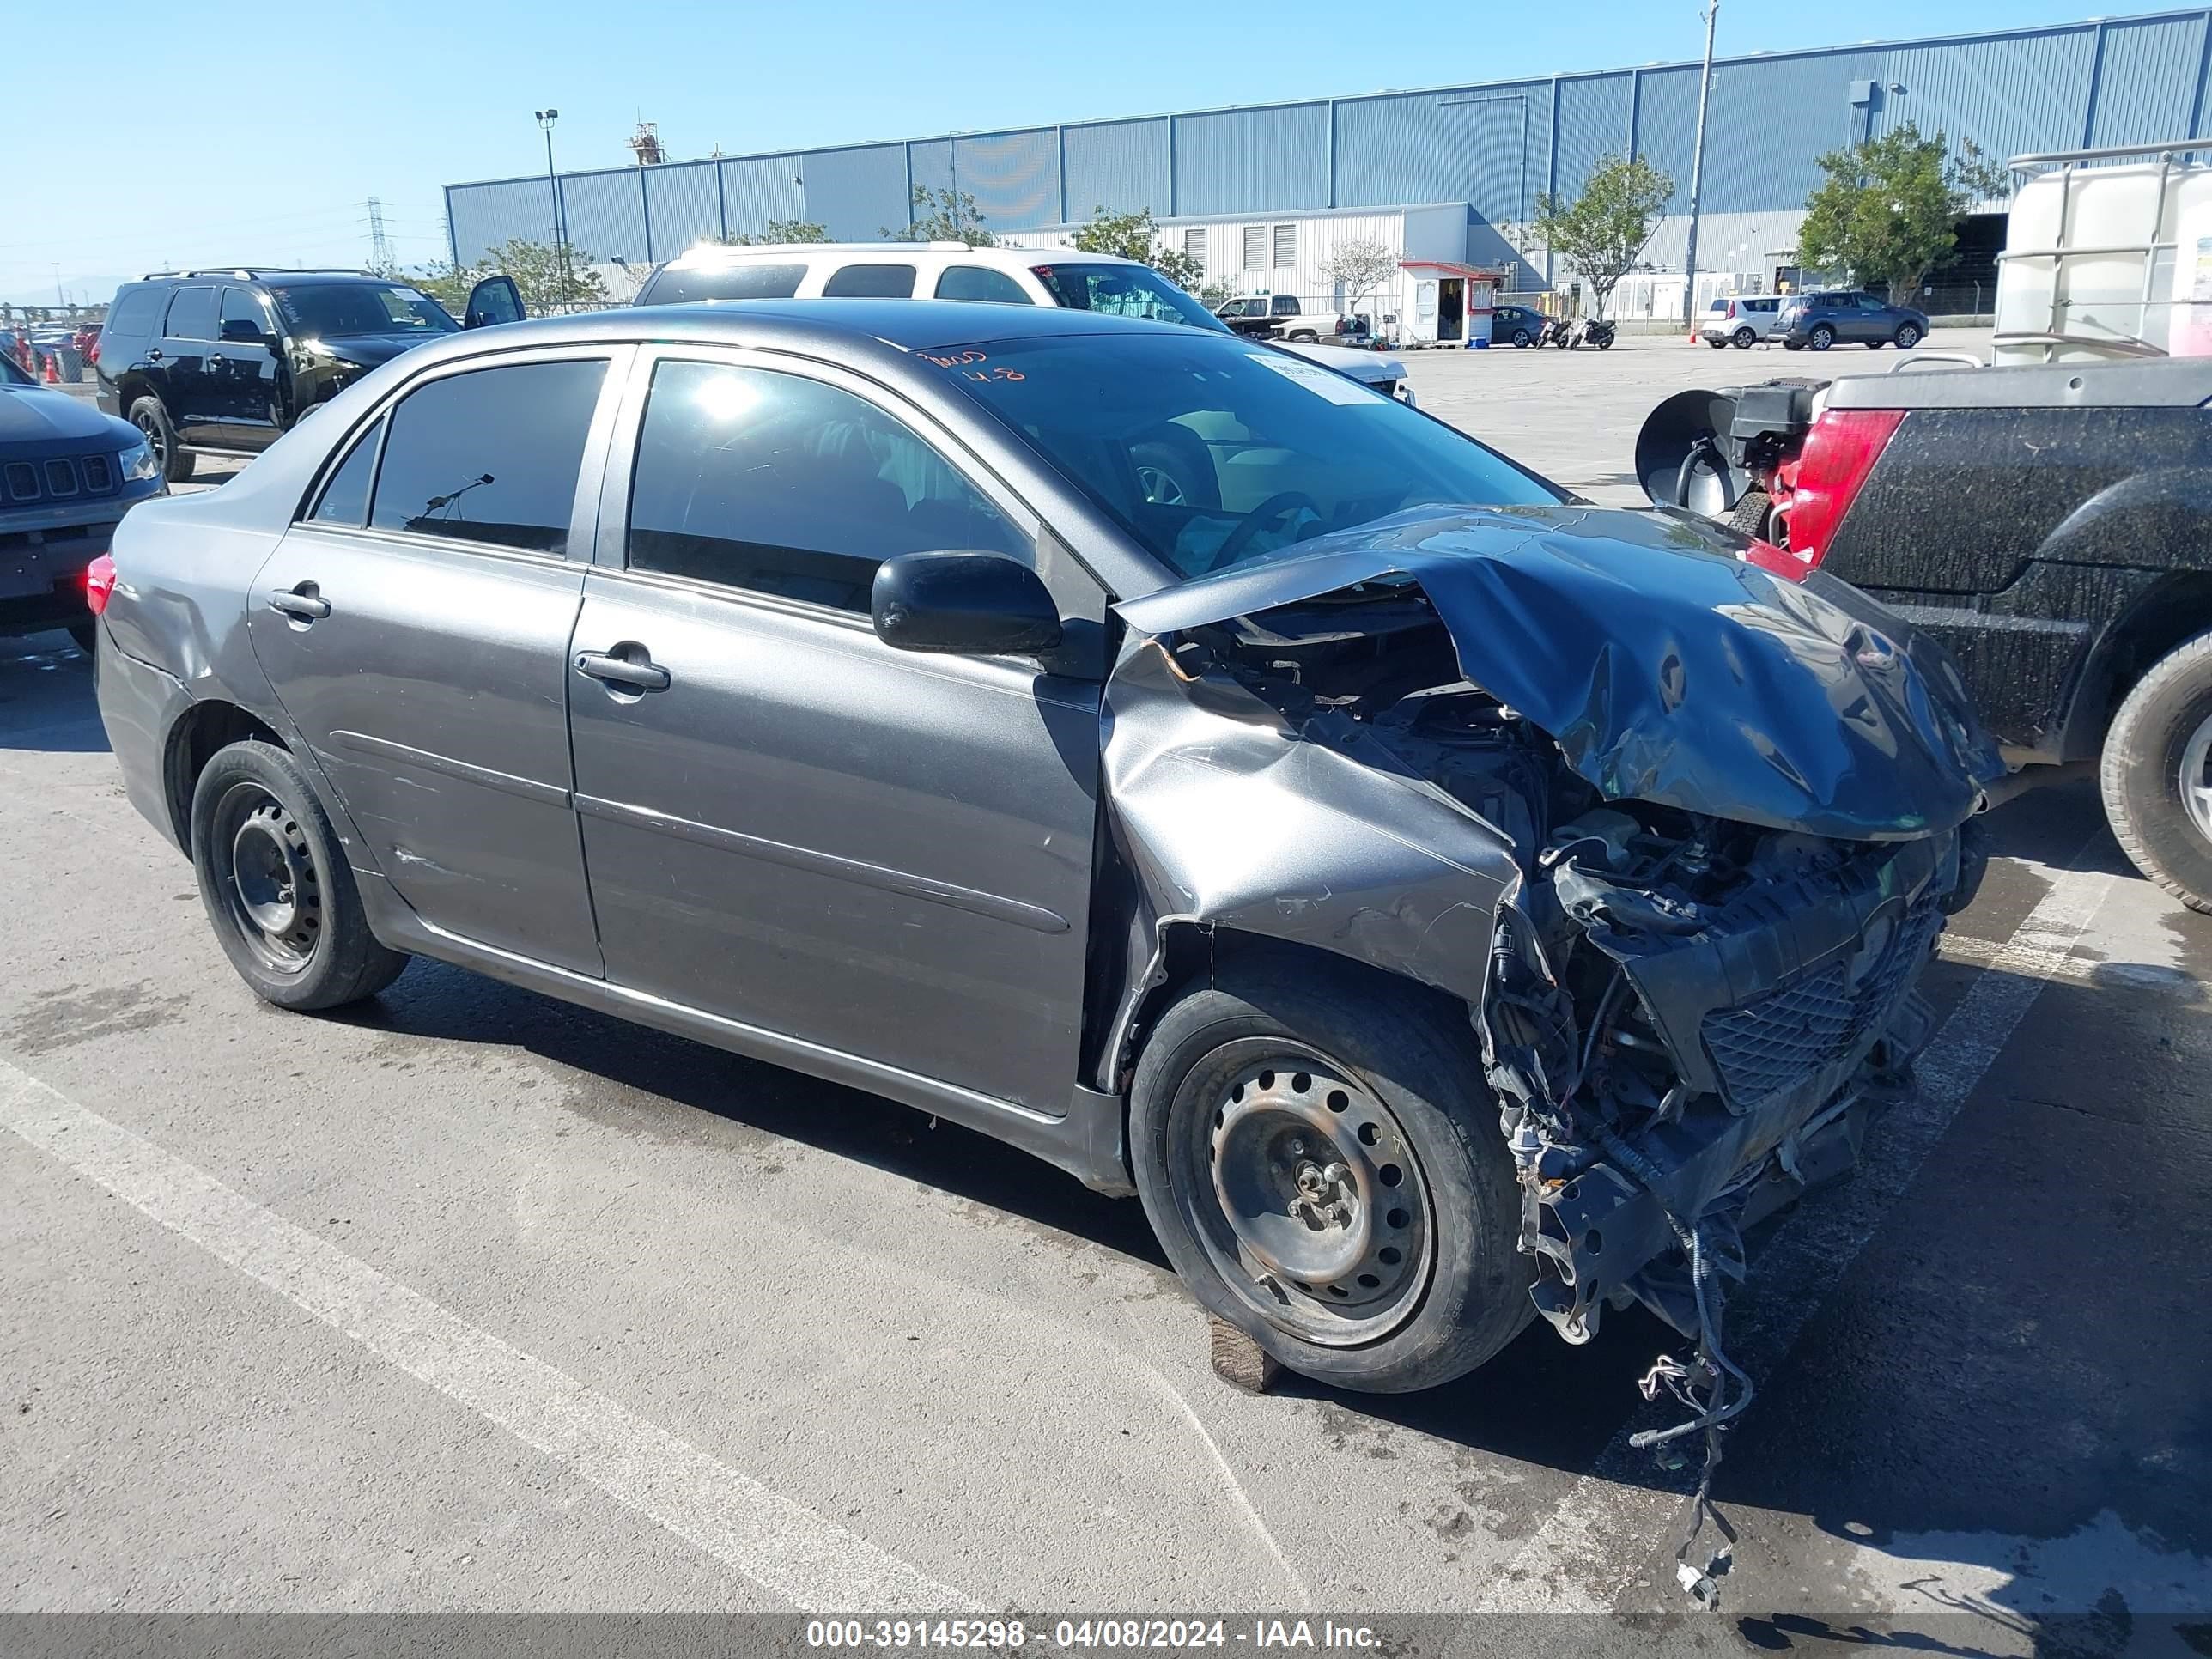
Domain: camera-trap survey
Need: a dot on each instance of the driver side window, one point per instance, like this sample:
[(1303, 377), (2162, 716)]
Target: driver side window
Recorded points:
[(775, 484)]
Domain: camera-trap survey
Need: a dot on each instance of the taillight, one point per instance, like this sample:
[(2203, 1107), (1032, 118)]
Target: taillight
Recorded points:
[(1839, 452), (1731, 311), (99, 584), (91, 352)]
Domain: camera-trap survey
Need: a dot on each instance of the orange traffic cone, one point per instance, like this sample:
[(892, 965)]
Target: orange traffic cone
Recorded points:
[(53, 374)]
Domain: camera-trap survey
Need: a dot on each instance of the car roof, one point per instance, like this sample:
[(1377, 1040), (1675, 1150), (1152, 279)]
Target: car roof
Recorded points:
[(902, 325), (257, 274), (716, 255)]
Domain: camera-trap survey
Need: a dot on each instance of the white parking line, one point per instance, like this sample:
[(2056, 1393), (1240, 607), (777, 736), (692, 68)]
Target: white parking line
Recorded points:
[(778, 1544), (1603, 1534)]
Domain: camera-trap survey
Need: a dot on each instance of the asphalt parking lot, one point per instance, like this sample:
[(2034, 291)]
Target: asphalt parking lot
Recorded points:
[(472, 1301)]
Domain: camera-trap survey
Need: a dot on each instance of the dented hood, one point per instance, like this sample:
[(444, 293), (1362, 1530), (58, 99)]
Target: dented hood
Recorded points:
[(1665, 669)]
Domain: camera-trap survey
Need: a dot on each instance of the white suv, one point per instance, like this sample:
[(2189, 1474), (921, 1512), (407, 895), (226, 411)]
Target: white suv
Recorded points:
[(953, 270)]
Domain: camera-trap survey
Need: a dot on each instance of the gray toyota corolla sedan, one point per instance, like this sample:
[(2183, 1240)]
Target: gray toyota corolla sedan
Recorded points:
[(1443, 901)]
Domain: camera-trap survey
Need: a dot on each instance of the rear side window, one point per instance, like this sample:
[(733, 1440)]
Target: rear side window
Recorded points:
[(345, 497), (979, 283), (490, 456), (779, 484), (1285, 306), (134, 314), (871, 282), (192, 315), (743, 282)]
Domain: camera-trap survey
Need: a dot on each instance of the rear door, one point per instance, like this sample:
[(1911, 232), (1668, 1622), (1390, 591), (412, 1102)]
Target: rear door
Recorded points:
[(187, 342), (415, 621), (242, 373), (787, 822)]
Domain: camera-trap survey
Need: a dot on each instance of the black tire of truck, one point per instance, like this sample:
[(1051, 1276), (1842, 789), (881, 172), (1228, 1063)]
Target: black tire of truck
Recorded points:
[(276, 887), (150, 417), (1410, 1075), (2140, 773)]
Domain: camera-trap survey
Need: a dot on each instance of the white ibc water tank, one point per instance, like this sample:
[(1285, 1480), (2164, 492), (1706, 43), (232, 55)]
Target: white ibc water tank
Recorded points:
[(2103, 296)]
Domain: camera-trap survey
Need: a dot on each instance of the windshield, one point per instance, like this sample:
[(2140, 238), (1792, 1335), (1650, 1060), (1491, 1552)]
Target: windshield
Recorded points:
[(343, 308), (1125, 291), (1213, 452)]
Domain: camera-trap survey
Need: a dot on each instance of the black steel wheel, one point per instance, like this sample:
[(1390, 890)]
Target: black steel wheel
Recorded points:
[(275, 885), (1316, 1150)]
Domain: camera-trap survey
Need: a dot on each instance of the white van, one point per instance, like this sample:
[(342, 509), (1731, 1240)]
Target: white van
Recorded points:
[(953, 270)]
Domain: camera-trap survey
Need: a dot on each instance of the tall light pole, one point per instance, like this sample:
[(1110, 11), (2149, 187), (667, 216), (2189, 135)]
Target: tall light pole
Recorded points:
[(1698, 174), (546, 117)]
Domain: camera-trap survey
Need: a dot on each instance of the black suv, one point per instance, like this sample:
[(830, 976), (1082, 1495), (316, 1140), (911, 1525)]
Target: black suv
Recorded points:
[(228, 361)]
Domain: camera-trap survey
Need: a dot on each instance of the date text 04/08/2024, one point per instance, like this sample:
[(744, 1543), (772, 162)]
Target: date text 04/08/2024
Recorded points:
[(1163, 1634)]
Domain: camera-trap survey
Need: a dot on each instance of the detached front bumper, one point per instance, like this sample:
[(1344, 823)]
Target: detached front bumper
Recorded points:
[(1781, 1020)]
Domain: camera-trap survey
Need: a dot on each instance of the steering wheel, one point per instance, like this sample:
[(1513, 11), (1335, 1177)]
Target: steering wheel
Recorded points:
[(1250, 524)]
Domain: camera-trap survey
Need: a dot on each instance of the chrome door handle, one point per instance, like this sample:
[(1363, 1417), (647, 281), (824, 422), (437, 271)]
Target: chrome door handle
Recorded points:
[(301, 607), (620, 670)]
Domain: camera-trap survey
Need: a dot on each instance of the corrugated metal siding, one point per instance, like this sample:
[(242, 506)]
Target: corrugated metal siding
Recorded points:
[(1666, 126), (2013, 94), (681, 207), (1251, 160), (1013, 176), (486, 217), (858, 194), (2148, 83), (761, 188), (1120, 166), (1485, 145), (605, 213), (930, 161), (1768, 124), (1592, 125)]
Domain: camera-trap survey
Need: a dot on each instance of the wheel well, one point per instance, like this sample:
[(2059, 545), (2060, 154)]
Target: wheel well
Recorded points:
[(1194, 953), (205, 728), (132, 387), (2175, 610)]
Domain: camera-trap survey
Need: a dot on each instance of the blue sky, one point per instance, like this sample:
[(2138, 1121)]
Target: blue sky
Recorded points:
[(268, 146)]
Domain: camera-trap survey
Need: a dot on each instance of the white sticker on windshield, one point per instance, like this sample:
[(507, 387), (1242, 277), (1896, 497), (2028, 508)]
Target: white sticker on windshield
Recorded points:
[(1324, 382)]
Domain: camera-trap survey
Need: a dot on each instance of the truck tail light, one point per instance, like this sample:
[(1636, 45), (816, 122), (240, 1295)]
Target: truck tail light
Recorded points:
[(1839, 452), (99, 584)]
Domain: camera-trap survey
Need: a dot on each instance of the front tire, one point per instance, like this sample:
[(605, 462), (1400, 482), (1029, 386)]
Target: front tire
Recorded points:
[(1322, 1162), (1718, 345), (2156, 774), (1908, 336), (276, 887)]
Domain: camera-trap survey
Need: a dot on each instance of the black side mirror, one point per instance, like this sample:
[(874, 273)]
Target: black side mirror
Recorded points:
[(495, 300), (978, 604)]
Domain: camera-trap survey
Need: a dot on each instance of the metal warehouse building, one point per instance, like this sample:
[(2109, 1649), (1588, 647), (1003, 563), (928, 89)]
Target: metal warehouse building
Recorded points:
[(1468, 158)]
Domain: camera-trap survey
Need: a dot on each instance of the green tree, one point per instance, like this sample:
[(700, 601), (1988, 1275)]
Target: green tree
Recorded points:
[(943, 215), (1888, 210), (779, 230), (1601, 234), (1137, 236), (547, 279)]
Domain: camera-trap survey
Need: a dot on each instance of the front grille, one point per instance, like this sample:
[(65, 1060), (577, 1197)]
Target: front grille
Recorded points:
[(1776, 1042), (62, 479)]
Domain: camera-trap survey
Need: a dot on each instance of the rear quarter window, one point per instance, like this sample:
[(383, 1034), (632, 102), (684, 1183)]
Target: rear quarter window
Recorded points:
[(133, 313), (870, 283)]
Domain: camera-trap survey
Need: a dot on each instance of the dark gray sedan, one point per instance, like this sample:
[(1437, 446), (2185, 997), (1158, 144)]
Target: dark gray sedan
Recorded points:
[(1443, 900)]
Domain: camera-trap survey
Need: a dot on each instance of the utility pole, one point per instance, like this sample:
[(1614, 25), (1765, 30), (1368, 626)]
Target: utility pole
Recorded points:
[(380, 247), (546, 117), (1698, 176)]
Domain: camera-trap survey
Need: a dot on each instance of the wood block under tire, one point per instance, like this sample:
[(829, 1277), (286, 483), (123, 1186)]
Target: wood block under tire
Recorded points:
[(1237, 1358)]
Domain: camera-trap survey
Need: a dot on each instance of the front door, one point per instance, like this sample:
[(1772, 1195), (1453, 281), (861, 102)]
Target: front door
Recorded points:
[(788, 823), (1451, 307), (417, 633), (242, 371)]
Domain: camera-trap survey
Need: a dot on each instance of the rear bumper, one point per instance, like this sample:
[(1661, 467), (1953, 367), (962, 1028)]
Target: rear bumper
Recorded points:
[(139, 706)]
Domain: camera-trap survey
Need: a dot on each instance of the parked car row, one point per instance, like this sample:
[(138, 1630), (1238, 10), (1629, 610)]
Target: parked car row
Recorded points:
[(1818, 320)]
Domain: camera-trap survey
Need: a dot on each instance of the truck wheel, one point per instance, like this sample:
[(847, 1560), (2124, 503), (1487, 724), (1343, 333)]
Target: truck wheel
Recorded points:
[(1822, 337), (151, 418), (1305, 337), (2157, 774), (277, 886), (1322, 1165)]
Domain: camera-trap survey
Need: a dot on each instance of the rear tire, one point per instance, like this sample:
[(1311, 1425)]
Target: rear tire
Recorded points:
[(276, 887), (2156, 773), (1280, 1089), (1522, 339), (1822, 337), (1744, 339), (151, 417)]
